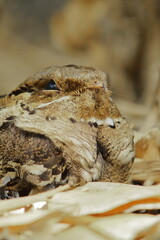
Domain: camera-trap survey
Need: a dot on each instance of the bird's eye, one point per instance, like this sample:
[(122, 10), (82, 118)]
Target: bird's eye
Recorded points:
[(51, 85)]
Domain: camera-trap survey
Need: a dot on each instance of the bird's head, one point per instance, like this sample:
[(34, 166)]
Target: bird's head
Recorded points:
[(87, 87)]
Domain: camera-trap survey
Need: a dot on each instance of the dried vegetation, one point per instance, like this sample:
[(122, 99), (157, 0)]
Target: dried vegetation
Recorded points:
[(122, 38)]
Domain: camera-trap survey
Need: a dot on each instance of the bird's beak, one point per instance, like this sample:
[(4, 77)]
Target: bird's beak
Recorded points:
[(99, 86)]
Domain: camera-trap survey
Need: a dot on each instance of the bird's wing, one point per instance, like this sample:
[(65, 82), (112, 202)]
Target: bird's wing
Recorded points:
[(77, 140), (29, 156)]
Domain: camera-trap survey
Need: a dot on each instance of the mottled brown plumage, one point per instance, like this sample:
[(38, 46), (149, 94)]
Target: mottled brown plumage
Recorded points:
[(60, 125)]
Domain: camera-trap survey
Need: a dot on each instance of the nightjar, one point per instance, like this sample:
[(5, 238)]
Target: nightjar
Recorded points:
[(61, 126)]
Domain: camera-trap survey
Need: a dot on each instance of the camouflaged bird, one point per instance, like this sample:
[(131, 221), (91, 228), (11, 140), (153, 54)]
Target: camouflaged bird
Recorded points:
[(61, 126)]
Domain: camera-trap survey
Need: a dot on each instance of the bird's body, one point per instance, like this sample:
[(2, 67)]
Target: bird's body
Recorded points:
[(61, 125)]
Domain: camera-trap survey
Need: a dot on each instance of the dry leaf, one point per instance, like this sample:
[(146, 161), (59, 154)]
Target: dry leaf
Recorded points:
[(8, 205), (124, 227), (146, 172), (106, 198), (82, 232), (148, 146)]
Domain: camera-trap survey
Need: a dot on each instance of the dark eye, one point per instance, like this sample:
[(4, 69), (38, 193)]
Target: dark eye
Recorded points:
[(51, 85)]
